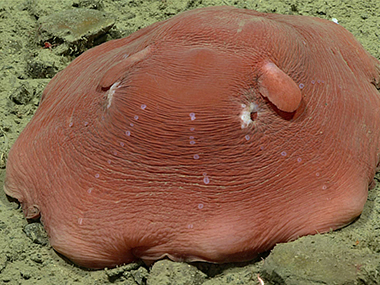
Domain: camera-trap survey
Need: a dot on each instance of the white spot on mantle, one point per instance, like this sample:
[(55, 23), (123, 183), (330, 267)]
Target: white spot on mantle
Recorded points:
[(110, 93), (245, 114)]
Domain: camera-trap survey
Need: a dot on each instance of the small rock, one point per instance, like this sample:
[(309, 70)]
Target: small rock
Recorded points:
[(314, 260), (140, 275), (117, 272), (23, 94), (44, 65), (36, 233), (77, 28), (25, 273), (166, 272)]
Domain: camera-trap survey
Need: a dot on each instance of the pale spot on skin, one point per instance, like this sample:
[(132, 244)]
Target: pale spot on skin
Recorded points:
[(245, 115), (110, 93)]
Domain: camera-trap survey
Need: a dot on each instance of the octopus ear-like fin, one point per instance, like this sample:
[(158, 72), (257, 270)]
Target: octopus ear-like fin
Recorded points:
[(32, 212), (279, 88), (120, 70)]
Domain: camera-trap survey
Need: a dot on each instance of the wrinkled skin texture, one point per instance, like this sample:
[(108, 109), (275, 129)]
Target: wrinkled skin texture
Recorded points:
[(211, 136)]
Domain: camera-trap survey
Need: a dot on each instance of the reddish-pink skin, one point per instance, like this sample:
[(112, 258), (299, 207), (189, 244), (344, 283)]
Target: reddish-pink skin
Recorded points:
[(144, 147)]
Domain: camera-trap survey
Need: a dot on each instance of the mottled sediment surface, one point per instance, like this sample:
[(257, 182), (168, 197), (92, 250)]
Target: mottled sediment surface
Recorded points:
[(34, 46)]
